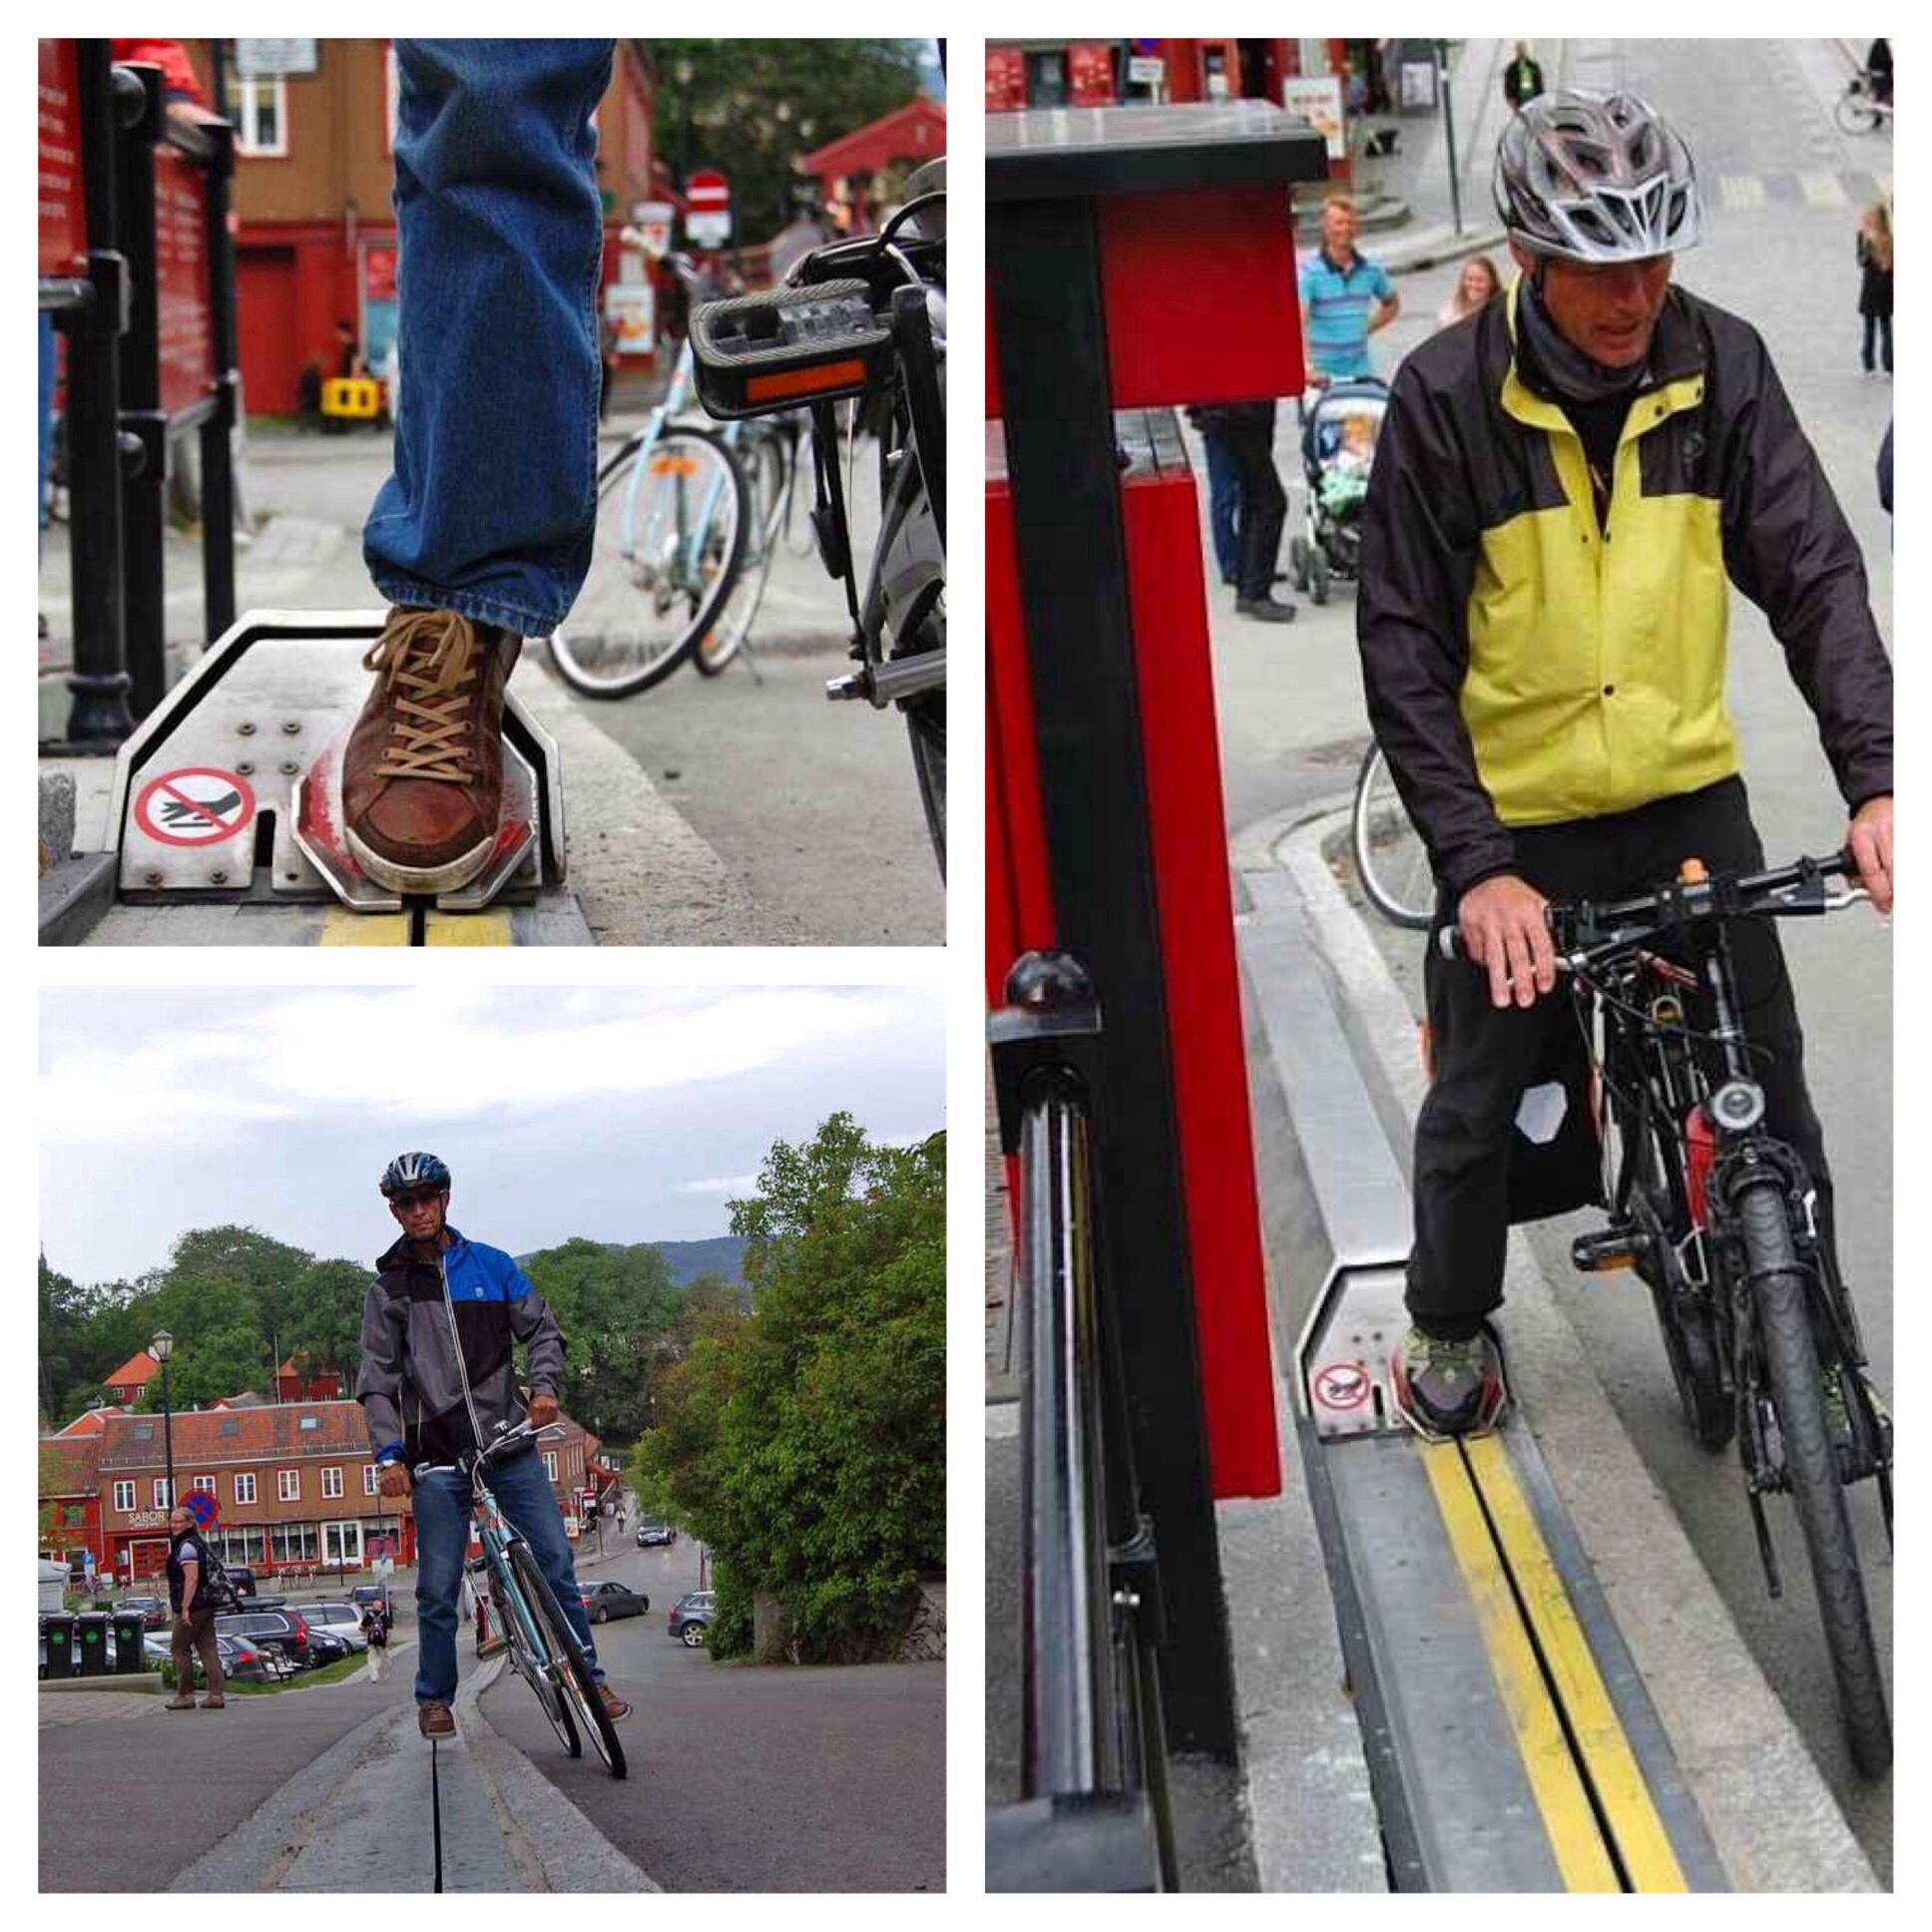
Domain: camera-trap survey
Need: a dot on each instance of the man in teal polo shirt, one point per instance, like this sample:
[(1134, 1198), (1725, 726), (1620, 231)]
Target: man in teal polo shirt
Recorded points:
[(1345, 298)]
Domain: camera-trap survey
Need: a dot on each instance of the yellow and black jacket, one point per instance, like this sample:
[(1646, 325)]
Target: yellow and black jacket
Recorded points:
[(1527, 664)]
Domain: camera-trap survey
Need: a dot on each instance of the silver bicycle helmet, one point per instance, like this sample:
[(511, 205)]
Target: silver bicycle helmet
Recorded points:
[(1595, 178), (409, 1172)]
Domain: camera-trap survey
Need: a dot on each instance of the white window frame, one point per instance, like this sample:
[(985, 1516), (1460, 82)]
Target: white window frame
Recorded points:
[(247, 92), (392, 94), (288, 1485), (124, 1498), (164, 1496), (331, 1473), (245, 1486), (549, 1464), (204, 1484), (370, 1486)]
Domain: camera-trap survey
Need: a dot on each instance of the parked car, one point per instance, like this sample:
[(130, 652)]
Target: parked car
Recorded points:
[(650, 1533), (243, 1578), (340, 1618), (282, 1631), (604, 1600), (690, 1617), (365, 1593), (241, 1660), (328, 1646), (155, 1614)]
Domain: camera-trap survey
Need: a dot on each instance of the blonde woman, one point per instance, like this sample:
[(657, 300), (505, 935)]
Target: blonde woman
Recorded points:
[(1876, 293), (1478, 284)]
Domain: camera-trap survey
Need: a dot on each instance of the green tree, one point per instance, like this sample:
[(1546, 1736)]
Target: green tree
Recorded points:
[(805, 1442), (616, 1308), (756, 106), (325, 1328)]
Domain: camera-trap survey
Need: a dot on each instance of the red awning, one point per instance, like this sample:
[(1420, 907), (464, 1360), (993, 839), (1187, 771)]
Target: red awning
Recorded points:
[(915, 131)]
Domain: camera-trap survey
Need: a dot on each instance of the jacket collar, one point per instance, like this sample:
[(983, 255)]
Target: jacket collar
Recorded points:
[(1676, 372), (401, 1254)]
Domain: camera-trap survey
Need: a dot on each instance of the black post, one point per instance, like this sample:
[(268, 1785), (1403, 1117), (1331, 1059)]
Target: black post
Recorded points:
[(98, 718), (167, 1431), (143, 481), (218, 445), (1449, 135)]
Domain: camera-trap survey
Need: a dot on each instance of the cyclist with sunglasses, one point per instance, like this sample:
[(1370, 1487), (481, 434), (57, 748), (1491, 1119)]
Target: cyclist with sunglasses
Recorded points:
[(1567, 486), (438, 1381)]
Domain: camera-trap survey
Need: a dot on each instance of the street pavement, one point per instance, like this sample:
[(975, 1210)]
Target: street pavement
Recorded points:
[(710, 811), (1783, 192), (747, 1778)]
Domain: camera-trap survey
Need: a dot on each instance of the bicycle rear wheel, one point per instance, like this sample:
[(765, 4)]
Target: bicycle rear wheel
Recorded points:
[(527, 1649), (1781, 1289), (569, 1670), (1390, 858), (762, 460), (671, 530), (1856, 111)]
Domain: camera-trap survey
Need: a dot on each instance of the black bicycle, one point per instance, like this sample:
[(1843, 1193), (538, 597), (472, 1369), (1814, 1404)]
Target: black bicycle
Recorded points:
[(1717, 1219), (543, 1649)]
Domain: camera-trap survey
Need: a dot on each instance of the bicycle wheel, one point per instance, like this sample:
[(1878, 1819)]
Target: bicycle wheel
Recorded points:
[(567, 1670), (762, 459), (800, 493), (1780, 1286), (527, 1653), (671, 529), (1856, 111), (1390, 859)]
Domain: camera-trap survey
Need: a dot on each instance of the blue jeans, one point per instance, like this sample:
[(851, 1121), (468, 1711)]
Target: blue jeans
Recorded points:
[(1224, 492), (441, 1503), (500, 231)]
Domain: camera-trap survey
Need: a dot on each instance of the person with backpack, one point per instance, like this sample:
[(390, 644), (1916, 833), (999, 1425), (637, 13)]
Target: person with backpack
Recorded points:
[(375, 1627), (191, 1564)]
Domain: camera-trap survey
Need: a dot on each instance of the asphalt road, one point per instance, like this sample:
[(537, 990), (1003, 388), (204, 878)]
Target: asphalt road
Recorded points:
[(1782, 189), (750, 1779)]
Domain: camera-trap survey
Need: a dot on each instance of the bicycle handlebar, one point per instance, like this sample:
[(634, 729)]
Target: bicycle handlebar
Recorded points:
[(1582, 930), (492, 1451)]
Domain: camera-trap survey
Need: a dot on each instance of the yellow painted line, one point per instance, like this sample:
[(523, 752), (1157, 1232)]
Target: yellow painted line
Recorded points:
[(1574, 1839), (342, 927), (491, 928), (1622, 1789)]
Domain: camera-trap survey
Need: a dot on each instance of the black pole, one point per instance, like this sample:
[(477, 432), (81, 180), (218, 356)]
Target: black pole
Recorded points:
[(143, 421), (217, 447), (98, 718), (1449, 136), (167, 1430)]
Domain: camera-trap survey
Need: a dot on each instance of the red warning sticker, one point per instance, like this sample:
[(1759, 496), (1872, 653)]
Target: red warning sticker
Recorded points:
[(1342, 1385), (200, 805)]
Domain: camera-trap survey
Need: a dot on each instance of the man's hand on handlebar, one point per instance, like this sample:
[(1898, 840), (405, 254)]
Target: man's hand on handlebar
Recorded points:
[(1503, 930), (393, 1479), (1870, 841), (541, 1411)]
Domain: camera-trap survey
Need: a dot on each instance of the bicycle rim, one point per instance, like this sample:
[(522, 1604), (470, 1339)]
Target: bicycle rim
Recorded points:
[(569, 1671), (1390, 858), (527, 1648), (671, 530), (1780, 1286), (763, 463)]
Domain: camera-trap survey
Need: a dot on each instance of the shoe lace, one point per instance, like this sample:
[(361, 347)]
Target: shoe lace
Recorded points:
[(430, 661)]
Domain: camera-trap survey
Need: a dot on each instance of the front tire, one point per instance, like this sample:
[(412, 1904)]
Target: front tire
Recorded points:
[(1390, 859), (570, 1670), (1780, 1286)]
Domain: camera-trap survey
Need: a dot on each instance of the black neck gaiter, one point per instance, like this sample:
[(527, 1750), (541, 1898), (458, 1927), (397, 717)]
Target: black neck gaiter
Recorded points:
[(1575, 376)]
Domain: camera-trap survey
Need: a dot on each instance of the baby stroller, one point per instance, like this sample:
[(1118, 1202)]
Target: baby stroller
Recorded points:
[(1338, 452)]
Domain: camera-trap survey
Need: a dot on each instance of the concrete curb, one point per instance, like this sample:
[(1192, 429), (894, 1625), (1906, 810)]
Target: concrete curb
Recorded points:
[(1775, 1823), (137, 1682), (569, 1852)]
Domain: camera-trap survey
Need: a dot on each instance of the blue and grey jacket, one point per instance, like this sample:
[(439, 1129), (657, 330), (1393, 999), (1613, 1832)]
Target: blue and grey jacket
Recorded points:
[(416, 1317)]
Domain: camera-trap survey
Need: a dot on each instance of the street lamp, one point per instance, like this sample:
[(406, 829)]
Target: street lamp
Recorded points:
[(164, 1346)]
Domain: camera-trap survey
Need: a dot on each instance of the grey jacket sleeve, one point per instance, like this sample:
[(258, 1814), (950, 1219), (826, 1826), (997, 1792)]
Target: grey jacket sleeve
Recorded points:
[(532, 1323), (379, 1385)]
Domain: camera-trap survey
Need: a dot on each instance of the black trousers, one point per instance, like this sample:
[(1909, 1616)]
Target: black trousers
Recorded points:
[(1262, 504), (1882, 326), (1486, 1055)]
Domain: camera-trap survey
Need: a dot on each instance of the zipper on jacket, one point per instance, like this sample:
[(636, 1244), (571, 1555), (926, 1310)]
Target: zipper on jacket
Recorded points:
[(456, 1343)]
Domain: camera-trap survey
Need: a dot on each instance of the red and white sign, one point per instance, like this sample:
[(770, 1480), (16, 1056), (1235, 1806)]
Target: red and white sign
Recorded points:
[(1342, 1385), (62, 218), (183, 314), (201, 805), (707, 212)]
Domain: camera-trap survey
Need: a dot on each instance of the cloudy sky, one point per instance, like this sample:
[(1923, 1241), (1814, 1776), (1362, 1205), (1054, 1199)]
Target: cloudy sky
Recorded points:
[(619, 1114)]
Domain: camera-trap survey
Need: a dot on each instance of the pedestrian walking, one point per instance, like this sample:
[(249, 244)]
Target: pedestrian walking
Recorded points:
[(1478, 284), (1245, 431), (1875, 285), (1522, 78), (189, 1566)]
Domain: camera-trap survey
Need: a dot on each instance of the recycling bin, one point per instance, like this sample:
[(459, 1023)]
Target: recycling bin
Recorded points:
[(91, 1640), (58, 1627), (129, 1633)]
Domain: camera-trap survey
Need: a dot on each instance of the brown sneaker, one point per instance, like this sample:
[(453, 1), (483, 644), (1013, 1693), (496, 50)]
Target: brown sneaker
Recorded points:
[(434, 1720), (422, 778), (614, 1705)]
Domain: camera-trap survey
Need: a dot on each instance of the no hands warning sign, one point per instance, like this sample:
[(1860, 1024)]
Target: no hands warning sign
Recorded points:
[(200, 805), (1342, 1385)]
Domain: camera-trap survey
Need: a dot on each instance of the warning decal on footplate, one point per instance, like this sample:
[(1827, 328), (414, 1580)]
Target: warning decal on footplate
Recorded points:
[(197, 806)]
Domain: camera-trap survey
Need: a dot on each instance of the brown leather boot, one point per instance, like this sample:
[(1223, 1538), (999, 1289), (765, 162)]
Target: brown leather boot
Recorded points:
[(422, 778)]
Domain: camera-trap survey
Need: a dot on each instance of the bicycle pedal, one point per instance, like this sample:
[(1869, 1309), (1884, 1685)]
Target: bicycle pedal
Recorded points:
[(1607, 1250)]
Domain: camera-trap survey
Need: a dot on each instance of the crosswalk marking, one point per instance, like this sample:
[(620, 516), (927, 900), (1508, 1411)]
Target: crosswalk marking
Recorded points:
[(1823, 190), (1826, 189), (1740, 191)]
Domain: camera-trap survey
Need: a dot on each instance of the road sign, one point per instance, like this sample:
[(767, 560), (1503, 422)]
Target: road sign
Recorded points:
[(262, 59), (654, 220), (202, 805), (708, 212), (707, 189)]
